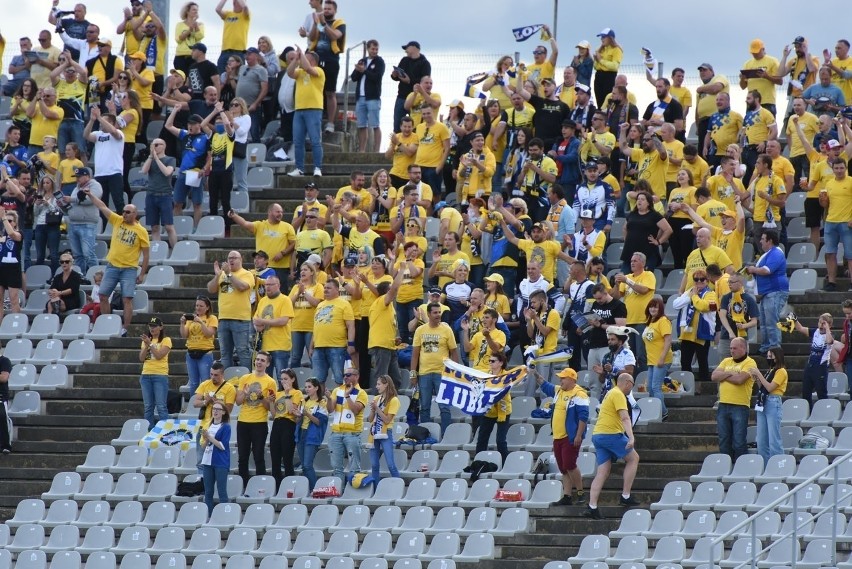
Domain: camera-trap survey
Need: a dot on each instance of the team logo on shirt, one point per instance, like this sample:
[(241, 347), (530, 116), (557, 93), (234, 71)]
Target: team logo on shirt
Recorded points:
[(324, 315), (255, 394), (431, 343)]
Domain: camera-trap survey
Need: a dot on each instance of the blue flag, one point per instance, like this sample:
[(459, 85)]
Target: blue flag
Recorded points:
[(526, 32), (473, 391)]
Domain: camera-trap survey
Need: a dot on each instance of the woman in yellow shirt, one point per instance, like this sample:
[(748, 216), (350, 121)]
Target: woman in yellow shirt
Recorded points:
[(410, 294), (65, 177), (22, 99), (607, 61), (772, 387), (141, 78), (289, 402), (154, 355), (199, 330), (305, 294), (682, 240), (498, 415), (657, 337), (188, 32), (413, 233), (383, 409), (495, 297)]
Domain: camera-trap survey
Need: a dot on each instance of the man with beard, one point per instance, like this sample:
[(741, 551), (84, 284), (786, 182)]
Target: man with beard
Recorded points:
[(652, 159), (760, 127), (665, 109), (584, 110), (538, 173), (620, 110), (202, 73), (549, 112), (711, 86)]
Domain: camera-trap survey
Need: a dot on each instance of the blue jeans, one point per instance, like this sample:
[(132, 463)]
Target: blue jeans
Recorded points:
[(240, 175), (280, 362), (429, 384), (215, 477), (398, 112), (70, 131), (301, 340), (637, 346), (113, 186), (155, 392), (771, 305), (307, 123), (732, 423), (82, 238), (198, 370), (341, 445), (383, 446), (434, 178), (769, 428), (47, 236), (26, 246), (324, 359), (404, 314), (306, 455), (656, 375), (234, 334), (113, 276), (254, 129)]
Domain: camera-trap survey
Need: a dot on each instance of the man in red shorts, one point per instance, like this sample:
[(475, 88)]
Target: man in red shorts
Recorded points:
[(570, 417)]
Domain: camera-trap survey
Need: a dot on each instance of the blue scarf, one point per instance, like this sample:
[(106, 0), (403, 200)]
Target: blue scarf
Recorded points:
[(151, 52)]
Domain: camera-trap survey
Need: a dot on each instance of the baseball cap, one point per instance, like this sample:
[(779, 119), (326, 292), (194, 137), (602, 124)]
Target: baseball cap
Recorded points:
[(587, 214), (833, 143), (582, 87), (539, 225), (84, 171), (155, 322), (495, 278), (194, 118), (567, 372), (350, 261), (590, 165), (412, 44), (253, 50), (756, 45), (105, 41), (434, 290), (729, 213), (584, 44), (570, 123), (439, 206), (138, 55), (457, 103), (799, 39), (547, 80), (606, 33), (311, 186), (200, 47), (179, 73), (314, 259), (261, 253), (705, 66)]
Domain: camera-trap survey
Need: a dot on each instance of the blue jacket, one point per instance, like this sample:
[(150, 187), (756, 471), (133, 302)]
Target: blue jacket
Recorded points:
[(314, 434), (222, 458), (577, 408)]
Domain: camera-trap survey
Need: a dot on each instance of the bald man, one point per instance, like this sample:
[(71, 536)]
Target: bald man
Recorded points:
[(705, 254)]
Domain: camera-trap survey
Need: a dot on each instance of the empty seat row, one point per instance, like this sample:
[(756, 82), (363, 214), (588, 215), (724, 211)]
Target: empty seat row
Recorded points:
[(45, 326), (780, 468), (26, 376), (50, 351)]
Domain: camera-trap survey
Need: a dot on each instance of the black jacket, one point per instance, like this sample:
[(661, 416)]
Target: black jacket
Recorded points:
[(373, 79), (416, 70)]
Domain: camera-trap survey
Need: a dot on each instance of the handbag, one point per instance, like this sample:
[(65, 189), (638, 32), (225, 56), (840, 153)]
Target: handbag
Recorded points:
[(53, 218), (239, 150), (196, 354)]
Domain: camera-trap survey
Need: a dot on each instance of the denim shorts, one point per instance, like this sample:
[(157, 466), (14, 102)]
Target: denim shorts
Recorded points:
[(159, 209), (181, 190), (367, 112), (610, 447), (838, 233), (115, 275)]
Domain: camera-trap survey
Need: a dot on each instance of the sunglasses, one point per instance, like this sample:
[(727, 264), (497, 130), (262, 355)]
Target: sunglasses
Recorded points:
[(126, 211), (65, 261), (699, 279), (235, 105), (311, 217), (349, 374)]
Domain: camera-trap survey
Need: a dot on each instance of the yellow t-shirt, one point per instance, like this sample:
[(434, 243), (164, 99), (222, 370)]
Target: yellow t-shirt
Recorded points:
[(736, 394), (545, 253), (430, 149), (309, 89), (635, 302), (780, 378), (154, 366), (712, 254), (654, 338), (330, 323), (253, 410), (674, 149), (500, 303), (417, 102), (476, 183), (364, 197), (435, 346), (724, 191), (312, 407), (160, 66), (235, 29), (501, 410), (130, 129), (281, 410), (653, 168), (313, 240), (446, 262), (568, 95), (763, 86), (367, 296), (810, 126), (195, 338), (726, 132), (66, 170), (553, 321), (99, 70), (303, 312), (234, 304), (682, 195), (610, 60), (548, 165), (773, 186), (410, 289), (467, 248), (343, 420), (844, 84), (146, 100), (421, 244), (480, 351), (731, 243), (539, 71), (276, 338), (184, 47), (820, 173), (839, 200), (383, 328), (401, 161), (43, 126), (274, 239), (710, 212), (589, 150), (392, 409), (609, 422), (562, 400), (756, 126), (501, 142), (126, 243), (321, 208), (699, 168), (227, 394), (75, 90), (50, 159), (683, 96), (707, 102), (407, 212), (454, 217)]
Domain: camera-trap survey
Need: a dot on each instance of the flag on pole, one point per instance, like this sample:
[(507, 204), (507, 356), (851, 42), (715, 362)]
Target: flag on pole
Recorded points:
[(526, 32), (473, 391)]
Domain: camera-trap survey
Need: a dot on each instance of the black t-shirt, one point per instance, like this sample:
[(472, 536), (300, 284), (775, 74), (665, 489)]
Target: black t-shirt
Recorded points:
[(673, 112), (5, 366), (200, 77), (607, 312), (548, 117), (71, 301), (76, 30), (638, 229), (10, 203), (200, 107)]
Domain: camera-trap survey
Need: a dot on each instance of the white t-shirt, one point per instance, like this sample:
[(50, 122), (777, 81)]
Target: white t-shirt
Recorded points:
[(109, 153), (242, 126), (207, 459)]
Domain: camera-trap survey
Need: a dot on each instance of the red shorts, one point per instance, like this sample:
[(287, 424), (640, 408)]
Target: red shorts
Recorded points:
[(566, 454)]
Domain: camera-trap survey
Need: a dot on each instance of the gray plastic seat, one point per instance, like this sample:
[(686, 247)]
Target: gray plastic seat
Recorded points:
[(794, 411), (803, 281), (543, 441), (728, 521), (131, 433), (322, 517), (704, 553), (800, 255), (97, 538), (298, 485), (60, 512), (64, 559), (409, 544), (258, 490), (274, 562), (63, 487), (62, 538), (633, 522), (715, 466), (419, 492), (516, 465), (675, 494), (807, 497), (224, 517), (22, 376), (443, 564), (161, 277), (443, 546), (43, 326), (192, 515), (824, 526), (767, 495), (240, 561), (47, 351), (741, 552), (766, 525), (291, 517), (83, 351), (240, 541), (275, 541), (545, 493), (455, 437), (557, 565), (352, 495), (817, 554), (781, 552), (24, 404), (325, 481), (159, 515), (778, 469), (808, 466), (307, 542), (210, 227), (746, 468), (13, 325), (512, 521), (168, 540), (353, 518), (96, 486), (172, 560), (374, 544), (824, 412), (451, 519), (407, 564), (128, 487), (416, 518), (186, 251), (51, 377), (592, 548), (106, 326), (98, 459), (421, 464), (19, 350), (341, 542), (454, 490), (630, 549), (373, 563), (523, 487), (698, 524), (476, 547), (31, 559), (161, 487), (706, 496), (307, 562), (385, 518), (257, 517), (204, 540), (93, 513), (133, 538), (163, 459), (206, 561), (389, 490), (739, 495), (453, 462)]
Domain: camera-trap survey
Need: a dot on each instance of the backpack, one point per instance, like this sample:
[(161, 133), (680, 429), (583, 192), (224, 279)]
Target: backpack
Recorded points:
[(813, 441), (540, 469), (417, 433), (190, 489), (174, 402)]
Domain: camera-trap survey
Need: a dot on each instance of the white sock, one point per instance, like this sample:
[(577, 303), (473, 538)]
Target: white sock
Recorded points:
[(625, 496)]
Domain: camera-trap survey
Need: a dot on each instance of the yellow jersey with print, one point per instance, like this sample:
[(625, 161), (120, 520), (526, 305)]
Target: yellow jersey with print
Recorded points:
[(411, 288), (706, 101), (724, 129), (383, 327), (810, 126), (422, 244), (235, 29), (820, 173), (345, 295), (276, 338), (548, 342), (226, 393), (330, 320), (534, 185), (470, 247), (274, 238), (322, 211), (435, 345), (66, 170), (303, 311), (235, 304), (283, 401), (501, 410), (783, 168), (683, 96), (711, 212), (700, 258), (682, 195), (480, 350), (699, 169), (545, 253), (538, 71), (401, 160), (309, 89), (610, 58), (563, 399), (736, 394), (498, 147), (343, 419), (364, 197), (259, 388), (774, 186), (126, 243), (781, 378), (453, 217), (756, 125), (132, 127), (799, 72), (845, 84), (74, 96), (839, 200), (654, 337), (635, 302), (588, 149), (408, 212), (446, 262), (430, 148), (724, 191), (765, 87), (473, 183), (382, 428), (43, 126), (417, 102), (184, 47), (155, 366), (674, 149), (652, 168), (50, 159), (367, 296), (516, 119), (609, 422), (313, 407), (731, 242), (499, 302), (195, 338), (313, 241), (160, 49)]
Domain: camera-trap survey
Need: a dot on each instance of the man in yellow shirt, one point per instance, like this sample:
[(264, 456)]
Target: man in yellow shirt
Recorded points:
[(234, 285), (599, 140), (420, 98), (433, 343), (541, 247), (763, 74), (46, 116), (730, 237), (711, 86), (334, 334), (256, 397), (475, 171), (674, 150), (346, 404), (695, 163), (651, 157), (235, 28), (210, 391), (307, 118), (723, 129), (356, 187), (129, 240), (705, 254), (384, 333), (433, 148), (759, 127), (407, 209), (536, 176), (770, 195), (836, 198), (809, 123), (275, 236), (312, 239), (272, 323), (841, 68), (735, 384), (402, 150), (543, 324), (543, 67), (613, 440), (311, 202), (485, 342), (725, 187), (636, 290)]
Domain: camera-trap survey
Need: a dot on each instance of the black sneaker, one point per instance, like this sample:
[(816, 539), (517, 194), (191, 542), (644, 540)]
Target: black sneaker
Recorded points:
[(580, 498), (7, 451), (829, 286), (563, 501), (593, 514), (665, 417), (628, 502)]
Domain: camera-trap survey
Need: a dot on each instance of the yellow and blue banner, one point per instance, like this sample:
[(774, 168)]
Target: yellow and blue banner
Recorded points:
[(178, 433), (473, 391)]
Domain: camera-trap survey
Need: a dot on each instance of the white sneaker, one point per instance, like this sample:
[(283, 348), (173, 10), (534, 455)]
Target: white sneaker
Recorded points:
[(329, 127), (317, 172), (295, 173)]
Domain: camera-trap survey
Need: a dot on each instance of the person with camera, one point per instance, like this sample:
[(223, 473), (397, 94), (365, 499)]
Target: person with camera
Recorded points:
[(47, 217), (199, 330), (154, 355), (109, 155), (234, 285), (82, 218), (75, 27)]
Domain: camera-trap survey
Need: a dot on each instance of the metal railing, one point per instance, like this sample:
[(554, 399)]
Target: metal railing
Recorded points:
[(794, 533), (346, 81)]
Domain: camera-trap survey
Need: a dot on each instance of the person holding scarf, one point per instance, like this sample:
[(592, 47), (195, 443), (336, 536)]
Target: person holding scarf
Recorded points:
[(816, 370), (737, 311), (696, 324), (498, 414), (383, 409), (772, 386), (619, 360)]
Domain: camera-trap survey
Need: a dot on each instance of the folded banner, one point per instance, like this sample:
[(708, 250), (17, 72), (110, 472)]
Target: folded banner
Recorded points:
[(178, 433), (473, 391), (526, 32), (532, 357)]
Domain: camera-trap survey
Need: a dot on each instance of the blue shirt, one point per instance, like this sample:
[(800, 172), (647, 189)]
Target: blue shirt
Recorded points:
[(195, 147), (833, 92), (20, 152), (776, 280)]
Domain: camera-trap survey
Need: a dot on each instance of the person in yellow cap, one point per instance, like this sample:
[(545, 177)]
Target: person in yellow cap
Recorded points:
[(764, 76), (570, 418)]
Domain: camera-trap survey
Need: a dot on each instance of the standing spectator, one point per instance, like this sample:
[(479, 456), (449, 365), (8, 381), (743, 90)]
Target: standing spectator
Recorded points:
[(47, 218), (432, 150), (76, 27), (738, 312), (286, 97), (433, 343), (767, 76), (282, 441), (543, 324), (334, 334), (816, 370), (158, 198), (151, 34), (657, 340), (5, 434), (843, 362), (711, 85), (637, 289), (216, 460), (489, 340), (69, 79), (770, 274), (383, 409), (618, 360), (499, 414), (272, 322), (256, 397), (46, 116), (307, 120), (83, 218), (606, 312), (241, 120), (175, 100), (129, 239), (273, 235), (835, 198), (109, 155), (367, 75), (613, 440), (11, 274), (252, 86), (772, 387), (15, 152), (154, 355), (607, 60), (235, 29), (306, 294), (696, 323), (201, 72), (345, 406), (64, 292), (228, 79), (234, 285), (328, 39), (570, 418), (188, 32), (19, 69), (578, 296), (411, 69), (705, 254), (199, 331), (269, 59), (196, 145), (384, 332), (311, 428), (735, 379), (646, 230)]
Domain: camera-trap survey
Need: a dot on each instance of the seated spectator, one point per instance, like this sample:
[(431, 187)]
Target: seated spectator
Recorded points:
[(64, 292)]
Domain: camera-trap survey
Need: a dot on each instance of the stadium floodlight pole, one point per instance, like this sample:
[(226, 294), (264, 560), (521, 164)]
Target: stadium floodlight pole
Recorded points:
[(555, 14)]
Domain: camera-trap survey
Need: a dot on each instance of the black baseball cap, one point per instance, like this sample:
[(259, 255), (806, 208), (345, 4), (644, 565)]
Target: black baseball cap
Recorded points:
[(194, 118), (412, 44), (200, 47), (84, 171), (261, 253)]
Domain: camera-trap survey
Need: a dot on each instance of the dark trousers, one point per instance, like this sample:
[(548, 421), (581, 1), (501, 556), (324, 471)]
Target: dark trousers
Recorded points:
[(129, 151), (285, 131), (702, 126), (801, 169), (220, 185), (689, 350), (604, 82), (814, 378), (749, 158), (485, 428), (5, 428), (362, 334), (113, 186), (251, 439), (282, 447), (682, 241)]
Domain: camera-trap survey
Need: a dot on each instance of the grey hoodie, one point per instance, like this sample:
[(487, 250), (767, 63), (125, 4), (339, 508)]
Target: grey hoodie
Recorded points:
[(85, 211)]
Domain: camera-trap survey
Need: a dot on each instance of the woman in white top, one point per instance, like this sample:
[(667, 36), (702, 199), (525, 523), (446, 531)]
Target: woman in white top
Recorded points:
[(242, 125)]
